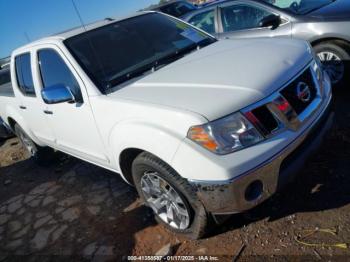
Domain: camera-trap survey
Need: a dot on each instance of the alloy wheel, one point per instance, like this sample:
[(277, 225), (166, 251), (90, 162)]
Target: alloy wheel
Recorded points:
[(165, 201), (333, 65)]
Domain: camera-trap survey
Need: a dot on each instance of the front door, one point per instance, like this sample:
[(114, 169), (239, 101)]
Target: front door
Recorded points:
[(241, 20), (73, 123)]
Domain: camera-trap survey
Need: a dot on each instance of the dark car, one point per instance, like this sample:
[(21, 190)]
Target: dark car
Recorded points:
[(324, 23), (174, 8)]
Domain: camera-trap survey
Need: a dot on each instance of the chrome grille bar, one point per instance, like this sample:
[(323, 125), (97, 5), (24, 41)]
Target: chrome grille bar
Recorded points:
[(284, 113)]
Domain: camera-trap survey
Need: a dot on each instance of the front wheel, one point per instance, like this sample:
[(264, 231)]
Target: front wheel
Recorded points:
[(172, 199), (335, 59)]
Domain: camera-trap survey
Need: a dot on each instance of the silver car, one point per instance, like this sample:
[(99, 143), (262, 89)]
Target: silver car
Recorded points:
[(324, 23)]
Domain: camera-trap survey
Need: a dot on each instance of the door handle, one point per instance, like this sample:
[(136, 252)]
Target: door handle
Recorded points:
[(23, 107), (48, 112)]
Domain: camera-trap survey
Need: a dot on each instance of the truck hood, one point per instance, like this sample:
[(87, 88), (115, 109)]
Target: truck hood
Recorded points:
[(221, 78)]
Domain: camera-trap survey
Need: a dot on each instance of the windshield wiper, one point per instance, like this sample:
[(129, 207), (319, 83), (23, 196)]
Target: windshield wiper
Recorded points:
[(182, 52), (174, 56), (156, 64), (153, 66), (121, 78)]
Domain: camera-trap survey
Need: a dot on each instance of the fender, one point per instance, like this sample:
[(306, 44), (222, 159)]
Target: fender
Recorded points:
[(150, 137)]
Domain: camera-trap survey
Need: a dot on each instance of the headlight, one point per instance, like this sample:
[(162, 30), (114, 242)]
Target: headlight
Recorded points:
[(226, 135)]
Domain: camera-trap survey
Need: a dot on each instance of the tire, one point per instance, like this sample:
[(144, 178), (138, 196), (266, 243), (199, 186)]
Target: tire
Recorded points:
[(146, 165), (338, 51), (41, 155)]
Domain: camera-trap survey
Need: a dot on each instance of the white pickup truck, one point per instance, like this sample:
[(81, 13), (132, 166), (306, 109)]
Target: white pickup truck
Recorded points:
[(201, 127)]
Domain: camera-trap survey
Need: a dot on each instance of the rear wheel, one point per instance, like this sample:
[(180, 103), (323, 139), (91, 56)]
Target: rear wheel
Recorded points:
[(173, 201), (41, 155), (335, 58)]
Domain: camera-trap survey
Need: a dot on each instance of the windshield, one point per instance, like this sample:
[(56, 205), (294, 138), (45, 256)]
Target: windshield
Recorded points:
[(300, 7), (177, 9), (117, 52)]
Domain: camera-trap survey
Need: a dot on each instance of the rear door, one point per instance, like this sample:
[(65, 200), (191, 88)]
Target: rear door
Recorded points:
[(29, 98), (241, 20), (73, 123)]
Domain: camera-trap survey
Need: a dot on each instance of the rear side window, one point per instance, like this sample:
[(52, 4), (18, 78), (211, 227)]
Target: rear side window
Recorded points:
[(24, 74), (241, 17), (177, 9), (54, 71), (204, 21)]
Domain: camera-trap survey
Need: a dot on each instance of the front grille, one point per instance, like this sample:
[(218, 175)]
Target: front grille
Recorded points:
[(290, 92), (285, 108), (266, 119)]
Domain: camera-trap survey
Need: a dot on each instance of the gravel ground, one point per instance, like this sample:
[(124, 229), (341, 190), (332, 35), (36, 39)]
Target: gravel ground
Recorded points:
[(73, 208)]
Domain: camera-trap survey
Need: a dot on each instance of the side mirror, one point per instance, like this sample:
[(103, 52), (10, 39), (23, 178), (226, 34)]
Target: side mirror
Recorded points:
[(271, 20), (57, 94)]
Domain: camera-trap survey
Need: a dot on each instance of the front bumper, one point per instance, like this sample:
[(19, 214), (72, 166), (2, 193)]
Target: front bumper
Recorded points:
[(237, 195)]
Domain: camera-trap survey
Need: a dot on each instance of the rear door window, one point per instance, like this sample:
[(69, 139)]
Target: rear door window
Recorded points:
[(204, 21), (177, 9), (24, 74), (241, 17)]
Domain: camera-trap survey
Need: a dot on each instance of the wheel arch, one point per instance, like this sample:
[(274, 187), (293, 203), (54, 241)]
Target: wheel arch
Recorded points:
[(336, 40), (126, 158), (14, 118), (130, 139), (11, 123)]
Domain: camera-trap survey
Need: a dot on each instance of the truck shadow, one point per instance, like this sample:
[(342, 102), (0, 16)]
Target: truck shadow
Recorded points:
[(2, 141), (68, 208), (323, 184)]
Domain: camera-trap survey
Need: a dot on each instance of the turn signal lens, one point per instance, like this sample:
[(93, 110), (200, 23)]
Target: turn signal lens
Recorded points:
[(200, 135)]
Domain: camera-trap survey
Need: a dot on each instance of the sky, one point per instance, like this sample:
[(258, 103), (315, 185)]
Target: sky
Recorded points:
[(27, 20)]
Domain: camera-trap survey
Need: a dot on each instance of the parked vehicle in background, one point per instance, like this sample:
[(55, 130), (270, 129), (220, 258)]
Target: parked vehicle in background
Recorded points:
[(142, 100), (4, 62), (209, 2), (175, 8), (4, 66), (324, 23)]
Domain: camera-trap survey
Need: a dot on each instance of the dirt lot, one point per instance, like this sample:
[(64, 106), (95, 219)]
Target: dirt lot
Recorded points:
[(74, 208)]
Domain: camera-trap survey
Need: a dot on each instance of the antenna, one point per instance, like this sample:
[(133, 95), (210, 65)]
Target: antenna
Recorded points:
[(27, 37), (88, 38), (78, 14)]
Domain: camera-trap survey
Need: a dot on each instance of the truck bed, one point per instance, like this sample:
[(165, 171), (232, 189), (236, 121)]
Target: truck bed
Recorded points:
[(7, 99)]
